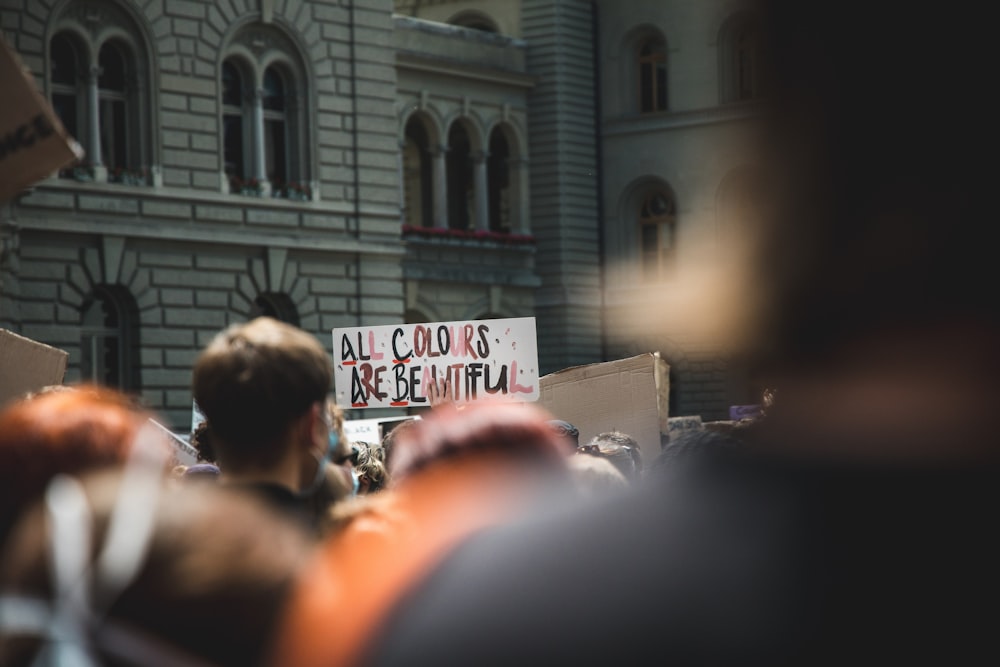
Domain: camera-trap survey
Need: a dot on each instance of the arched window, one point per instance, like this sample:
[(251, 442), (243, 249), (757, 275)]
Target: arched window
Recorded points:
[(98, 82), (276, 305), (740, 59), (264, 115), (109, 338), (461, 194), (657, 227), (498, 178), (652, 75), (417, 179)]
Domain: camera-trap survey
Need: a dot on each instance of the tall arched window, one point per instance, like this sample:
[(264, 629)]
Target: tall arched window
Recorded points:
[(417, 179), (657, 227), (109, 338), (461, 193), (498, 176), (264, 115), (98, 83), (652, 75), (740, 59)]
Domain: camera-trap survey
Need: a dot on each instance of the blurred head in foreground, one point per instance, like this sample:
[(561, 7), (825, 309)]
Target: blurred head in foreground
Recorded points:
[(154, 574), (70, 430)]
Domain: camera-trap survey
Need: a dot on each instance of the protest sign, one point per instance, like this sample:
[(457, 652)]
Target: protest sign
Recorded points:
[(33, 142), (183, 452), (371, 430), (627, 395), (391, 366), (27, 365)]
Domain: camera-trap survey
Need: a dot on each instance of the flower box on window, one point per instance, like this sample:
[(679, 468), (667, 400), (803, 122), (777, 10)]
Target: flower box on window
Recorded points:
[(502, 238), (129, 176)]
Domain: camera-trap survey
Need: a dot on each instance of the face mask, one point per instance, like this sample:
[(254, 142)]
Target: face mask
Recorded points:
[(356, 478)]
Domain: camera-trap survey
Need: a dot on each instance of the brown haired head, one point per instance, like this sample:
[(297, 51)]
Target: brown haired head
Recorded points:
[(55, 432), (520, 429), (253, 380)]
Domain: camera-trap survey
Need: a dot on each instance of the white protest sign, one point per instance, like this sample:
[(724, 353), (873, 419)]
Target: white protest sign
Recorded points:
[(391, 366), (184, 452)]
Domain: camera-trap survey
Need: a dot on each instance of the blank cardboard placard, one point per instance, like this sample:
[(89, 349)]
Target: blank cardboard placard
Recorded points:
[(27, 365), (622, 395)]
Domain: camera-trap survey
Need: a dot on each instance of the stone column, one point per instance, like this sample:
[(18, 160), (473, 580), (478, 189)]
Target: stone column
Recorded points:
[(94, 119), (440, 187), (259, 170), (482, 191)]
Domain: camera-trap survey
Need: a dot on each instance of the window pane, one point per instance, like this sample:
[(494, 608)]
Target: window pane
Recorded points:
[(646, 86), (112, 64), (274, 91), (62, 61), (232, 85), (274, 158), (233, 146), (65, 108), (113, 132)]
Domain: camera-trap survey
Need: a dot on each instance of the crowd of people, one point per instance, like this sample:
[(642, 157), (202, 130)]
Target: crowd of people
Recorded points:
[(848, 524)]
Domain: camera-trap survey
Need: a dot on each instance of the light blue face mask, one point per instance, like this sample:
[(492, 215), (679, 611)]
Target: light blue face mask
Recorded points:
[(356, 478)]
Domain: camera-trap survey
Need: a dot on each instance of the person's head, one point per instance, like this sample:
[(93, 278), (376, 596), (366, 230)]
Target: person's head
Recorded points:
[(263, 387), (621, 450), (206, 589), (370, 467), (595, 476), (518, 430), (566, 431), (390, 436), (70, 430), (201, 440)]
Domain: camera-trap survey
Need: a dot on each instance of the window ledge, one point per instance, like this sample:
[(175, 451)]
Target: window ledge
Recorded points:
[(471, 238)]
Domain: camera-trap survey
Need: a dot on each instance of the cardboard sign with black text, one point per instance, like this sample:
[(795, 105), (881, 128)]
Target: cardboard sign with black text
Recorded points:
[(33, 142)]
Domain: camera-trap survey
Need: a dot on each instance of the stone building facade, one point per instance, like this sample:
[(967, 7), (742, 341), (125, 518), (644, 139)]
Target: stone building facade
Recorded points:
[(348, 162)]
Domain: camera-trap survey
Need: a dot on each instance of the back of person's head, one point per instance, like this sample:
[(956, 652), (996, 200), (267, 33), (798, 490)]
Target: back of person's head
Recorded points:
[(69, 430), (205, 589), (878, 226), (566, 430), (596, 476), (520, 431), (252, 381), (370, 466), (621, 449), (390, 437)]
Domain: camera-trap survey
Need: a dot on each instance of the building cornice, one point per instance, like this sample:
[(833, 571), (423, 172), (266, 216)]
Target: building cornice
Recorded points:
[(418, 62)]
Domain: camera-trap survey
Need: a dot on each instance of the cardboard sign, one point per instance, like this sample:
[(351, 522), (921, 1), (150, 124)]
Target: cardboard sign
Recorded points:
[(391, 366), (184, 452), (628, 395), (33, 142), (27, 365)]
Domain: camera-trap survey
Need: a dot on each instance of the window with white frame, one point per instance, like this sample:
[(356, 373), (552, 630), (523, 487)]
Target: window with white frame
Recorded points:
[(264, 121), (98, 85)]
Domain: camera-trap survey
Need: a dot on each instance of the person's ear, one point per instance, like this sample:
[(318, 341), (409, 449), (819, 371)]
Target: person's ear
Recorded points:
[(312, 428)]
